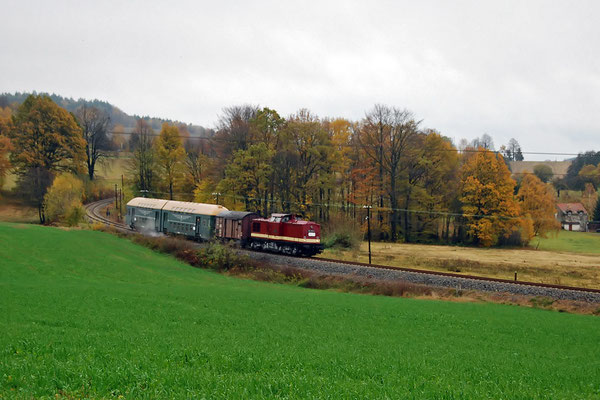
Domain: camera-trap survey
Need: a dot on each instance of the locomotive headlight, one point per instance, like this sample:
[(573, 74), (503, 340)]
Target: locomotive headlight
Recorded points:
[(135, 219), (193, 228)]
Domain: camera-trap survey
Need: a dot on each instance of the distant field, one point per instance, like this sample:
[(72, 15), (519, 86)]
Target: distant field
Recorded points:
[(558, 167), (571, 258), (577, 242), (111, 169), (85, 314)]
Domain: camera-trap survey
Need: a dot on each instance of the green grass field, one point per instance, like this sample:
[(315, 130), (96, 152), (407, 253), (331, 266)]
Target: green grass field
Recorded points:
[(86, 314), (573, 242)]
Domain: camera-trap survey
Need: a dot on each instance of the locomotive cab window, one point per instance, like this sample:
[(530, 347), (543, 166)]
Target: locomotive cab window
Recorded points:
[(256, 227)]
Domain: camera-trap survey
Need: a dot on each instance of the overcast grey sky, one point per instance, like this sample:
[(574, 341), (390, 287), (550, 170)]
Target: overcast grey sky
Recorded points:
[(523, 69)]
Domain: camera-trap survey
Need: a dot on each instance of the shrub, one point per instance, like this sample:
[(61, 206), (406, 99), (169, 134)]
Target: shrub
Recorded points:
[(63, 200), (222, 258), (339, 232), (94, 191)]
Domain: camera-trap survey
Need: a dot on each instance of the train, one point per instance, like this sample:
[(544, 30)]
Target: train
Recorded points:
[(280, 233)]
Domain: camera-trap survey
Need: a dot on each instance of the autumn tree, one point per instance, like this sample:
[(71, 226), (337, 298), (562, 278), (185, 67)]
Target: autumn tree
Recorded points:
[(487, 198), (385, 138), (536, 200), (170, 155), (248, 176), (340, 135), (197, 164), (573, 179), (119, 138), (309, 149), (5, 120), (5, 148), (94, 124), (588, 197), (266, 127), (590, 174), (143, 162), (233, 133), (435, 190), (46, 140), (543, 172)]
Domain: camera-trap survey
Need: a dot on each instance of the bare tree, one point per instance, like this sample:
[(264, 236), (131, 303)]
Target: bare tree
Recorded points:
[(385, 138), (485, 142), (143, 163), (94, 123)]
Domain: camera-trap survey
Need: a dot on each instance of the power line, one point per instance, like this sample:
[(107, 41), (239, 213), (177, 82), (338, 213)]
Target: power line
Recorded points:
[(374, 209), (350, 145)]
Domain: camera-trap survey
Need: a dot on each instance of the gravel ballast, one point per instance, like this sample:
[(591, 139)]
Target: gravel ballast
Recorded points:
[(341, 269)]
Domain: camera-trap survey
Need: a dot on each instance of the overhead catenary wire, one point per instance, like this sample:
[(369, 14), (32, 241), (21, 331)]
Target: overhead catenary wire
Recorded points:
[(468, 150), (359, 205)]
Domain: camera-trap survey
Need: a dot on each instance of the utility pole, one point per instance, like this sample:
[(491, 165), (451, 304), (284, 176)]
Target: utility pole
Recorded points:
[(369, 229), (120, 203), (116, 198), (217, 195)]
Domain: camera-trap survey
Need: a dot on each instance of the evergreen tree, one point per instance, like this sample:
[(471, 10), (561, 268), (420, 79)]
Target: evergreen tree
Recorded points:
[(597, 210)]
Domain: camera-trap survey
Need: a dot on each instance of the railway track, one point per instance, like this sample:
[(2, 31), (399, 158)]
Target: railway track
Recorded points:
[(93, 214), (428, 277)]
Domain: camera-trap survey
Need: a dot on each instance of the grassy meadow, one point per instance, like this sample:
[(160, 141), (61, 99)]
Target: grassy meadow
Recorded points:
[(568, 258), (88, 315), (574, 242)]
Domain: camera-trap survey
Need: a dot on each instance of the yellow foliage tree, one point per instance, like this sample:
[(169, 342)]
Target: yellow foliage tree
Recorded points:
[(487, 197), (537, 203), (46, 141), (5, 148), (170, 152), (63, 200)]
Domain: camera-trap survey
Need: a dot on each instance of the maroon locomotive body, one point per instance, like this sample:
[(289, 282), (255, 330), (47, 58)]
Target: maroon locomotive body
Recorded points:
[(286, 233), (281, 233)]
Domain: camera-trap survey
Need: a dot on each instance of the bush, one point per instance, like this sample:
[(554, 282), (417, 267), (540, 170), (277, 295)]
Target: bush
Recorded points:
[(339, 232), (221, 258), (94, 191), (63, 200)]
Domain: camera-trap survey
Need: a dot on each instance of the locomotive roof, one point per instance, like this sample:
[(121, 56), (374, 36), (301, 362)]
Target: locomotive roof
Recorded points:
[(143, 202), (235, 214), (194, 208)]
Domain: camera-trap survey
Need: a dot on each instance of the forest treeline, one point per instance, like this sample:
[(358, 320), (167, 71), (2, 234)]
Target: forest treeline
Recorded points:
[(419, 186)]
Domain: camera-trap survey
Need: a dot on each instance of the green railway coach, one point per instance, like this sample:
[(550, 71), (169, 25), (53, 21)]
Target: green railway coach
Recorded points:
[(194, 220), (145, 214)]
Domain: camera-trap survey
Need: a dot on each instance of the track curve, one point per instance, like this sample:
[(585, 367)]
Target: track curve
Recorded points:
[(386, 272), (93, 215)]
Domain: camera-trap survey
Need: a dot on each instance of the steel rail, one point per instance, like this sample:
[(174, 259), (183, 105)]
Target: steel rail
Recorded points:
[(91, 210), (462, 276), (93, 215)]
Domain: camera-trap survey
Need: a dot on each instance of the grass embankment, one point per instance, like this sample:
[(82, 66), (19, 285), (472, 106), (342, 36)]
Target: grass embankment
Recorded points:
[(573, 261), (86, 314)]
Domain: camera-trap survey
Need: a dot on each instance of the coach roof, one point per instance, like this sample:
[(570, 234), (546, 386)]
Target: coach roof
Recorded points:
[(193, 208), (142, 202)]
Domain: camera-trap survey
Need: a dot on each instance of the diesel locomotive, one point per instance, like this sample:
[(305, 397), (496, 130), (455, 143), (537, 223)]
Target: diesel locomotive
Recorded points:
[(281, 233)]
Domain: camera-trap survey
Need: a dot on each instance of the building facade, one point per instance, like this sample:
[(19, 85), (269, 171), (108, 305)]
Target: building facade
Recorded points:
[(572, 216)]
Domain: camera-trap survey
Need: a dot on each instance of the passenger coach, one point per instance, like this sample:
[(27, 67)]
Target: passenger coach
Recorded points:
[(194, 220)]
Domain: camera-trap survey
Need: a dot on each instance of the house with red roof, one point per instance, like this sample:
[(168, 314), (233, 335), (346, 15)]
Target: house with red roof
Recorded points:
[(572, 216)]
